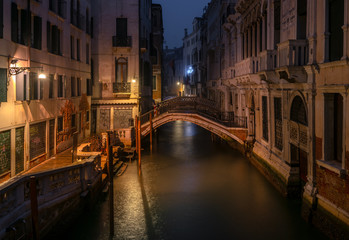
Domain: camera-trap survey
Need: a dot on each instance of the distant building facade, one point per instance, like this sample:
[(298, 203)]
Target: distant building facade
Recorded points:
[(39, 116), (157, 51), (122, 70), (173, 72)]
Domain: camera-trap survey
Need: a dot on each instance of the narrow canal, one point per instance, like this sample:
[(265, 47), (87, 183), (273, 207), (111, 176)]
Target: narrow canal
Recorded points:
[(191, 188)]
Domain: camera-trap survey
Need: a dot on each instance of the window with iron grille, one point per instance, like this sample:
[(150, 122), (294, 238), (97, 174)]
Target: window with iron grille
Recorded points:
[(265, 117), (3, 85), (5, 152), (37, 139), (278, 122)]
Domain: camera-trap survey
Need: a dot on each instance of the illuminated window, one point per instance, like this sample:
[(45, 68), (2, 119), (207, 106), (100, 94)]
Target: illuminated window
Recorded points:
[(121, 70)]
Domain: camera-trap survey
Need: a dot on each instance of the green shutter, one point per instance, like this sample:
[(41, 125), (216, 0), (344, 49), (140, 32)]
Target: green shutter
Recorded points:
[(1, 18), (3, 85)]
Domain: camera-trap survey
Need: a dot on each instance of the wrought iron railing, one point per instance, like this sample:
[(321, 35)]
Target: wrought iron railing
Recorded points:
[(121, 41), (122, 87)]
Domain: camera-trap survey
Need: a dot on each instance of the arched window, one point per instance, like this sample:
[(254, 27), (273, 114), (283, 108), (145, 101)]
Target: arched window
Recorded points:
[(121, 70), (298, 111)]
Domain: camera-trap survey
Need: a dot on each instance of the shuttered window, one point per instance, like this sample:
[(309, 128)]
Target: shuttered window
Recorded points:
[(60, 86), (1, 19), (121, 27), (24, 27), (37, 33), (21, 87), (265, 117), (51, 78), (33, 86), (278, 123), (48, 37), (3, 85), (14, 22)]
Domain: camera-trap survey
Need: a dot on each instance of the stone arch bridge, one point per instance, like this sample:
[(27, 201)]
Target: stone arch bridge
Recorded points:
[(202, 112)]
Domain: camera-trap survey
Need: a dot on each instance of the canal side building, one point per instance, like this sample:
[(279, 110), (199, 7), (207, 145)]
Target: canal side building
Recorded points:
[(39, 116), (286, 69), (122, 69), (156, 52)]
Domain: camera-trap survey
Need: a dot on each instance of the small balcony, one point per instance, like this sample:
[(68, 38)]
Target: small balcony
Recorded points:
[(122, 88), (246, 66), (267, 60), (293, 53), (122, 41)]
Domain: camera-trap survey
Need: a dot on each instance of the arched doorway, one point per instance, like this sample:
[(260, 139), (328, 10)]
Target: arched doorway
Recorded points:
[(299, 140)]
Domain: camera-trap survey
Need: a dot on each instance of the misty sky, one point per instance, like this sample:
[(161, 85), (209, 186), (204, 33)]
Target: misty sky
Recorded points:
[(177, 15)]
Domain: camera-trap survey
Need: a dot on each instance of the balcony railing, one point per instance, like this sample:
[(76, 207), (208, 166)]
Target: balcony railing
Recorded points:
[(122, 87), (247, 66), (267, 60), (121, 41), (293, 53)]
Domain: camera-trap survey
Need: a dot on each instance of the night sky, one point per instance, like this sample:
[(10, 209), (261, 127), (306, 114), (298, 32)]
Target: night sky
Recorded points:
[(177, 15)]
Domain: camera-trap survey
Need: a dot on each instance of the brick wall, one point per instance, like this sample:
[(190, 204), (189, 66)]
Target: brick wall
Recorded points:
[(333, 188)]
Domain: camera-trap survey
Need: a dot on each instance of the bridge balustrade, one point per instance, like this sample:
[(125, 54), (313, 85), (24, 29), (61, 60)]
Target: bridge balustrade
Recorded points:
[(201, 106)]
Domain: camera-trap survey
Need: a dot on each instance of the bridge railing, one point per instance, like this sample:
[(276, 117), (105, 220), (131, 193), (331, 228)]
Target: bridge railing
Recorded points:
[(204, 107), (53, 187)]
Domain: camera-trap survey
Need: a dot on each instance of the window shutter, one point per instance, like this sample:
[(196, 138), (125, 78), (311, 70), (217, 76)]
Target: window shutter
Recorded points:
[(3, 85), (24, 27), (49, 42), (14, 23), (21, 87), (37, 32), (1, 18)]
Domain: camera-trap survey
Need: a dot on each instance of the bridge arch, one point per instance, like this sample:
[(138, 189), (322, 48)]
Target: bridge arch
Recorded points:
[(236, 133)]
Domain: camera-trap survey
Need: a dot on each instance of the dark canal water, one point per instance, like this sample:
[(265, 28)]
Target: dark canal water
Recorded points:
[(191, 188)]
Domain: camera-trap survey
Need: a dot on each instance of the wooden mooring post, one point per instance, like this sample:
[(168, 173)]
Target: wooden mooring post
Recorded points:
[(139, 145), (34, 208), (136, 133), (111, 187), (151, 132)]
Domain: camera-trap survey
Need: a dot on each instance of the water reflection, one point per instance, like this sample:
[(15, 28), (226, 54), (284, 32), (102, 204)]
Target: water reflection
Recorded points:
[(191, 188)]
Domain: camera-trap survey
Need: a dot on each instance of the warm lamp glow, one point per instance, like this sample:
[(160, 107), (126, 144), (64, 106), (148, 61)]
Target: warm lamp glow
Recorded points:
[(178, 83), (133, 80), (42, 76)]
